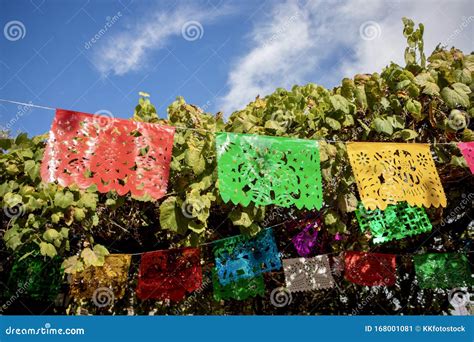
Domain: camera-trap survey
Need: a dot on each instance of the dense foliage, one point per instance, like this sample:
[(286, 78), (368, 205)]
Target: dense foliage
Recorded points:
[(428, 100)]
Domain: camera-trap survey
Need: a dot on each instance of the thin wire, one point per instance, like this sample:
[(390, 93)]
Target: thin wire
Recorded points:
[(27, 104), (210, 242), (206, 130)]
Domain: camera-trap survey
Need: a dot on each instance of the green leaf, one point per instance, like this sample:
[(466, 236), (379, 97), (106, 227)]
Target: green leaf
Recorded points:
[(403, 84), (22, 138), (34, 203), (194, 155), (5, 143), (51, 234), (271, 124), (457, 96), (47, 249), (197, 227), (406, 134), (168, 219), (252, 230), (11, 200), (93, 258), (32, 169), (79, 214), (347, 88), (347, 203), (240, 218), (72, 265), (383, 126), (330, 218), (468, 62), (65, 232), (348, 121), (461, 88), (458, 161), (63, 200), (361, 97), (88, 200), (110, 202), (100, 250), (56, 217), (339, 103), (414, 108), (463, 76), (333, 123), (410, 57), (396, 121), (431, 88), (12, 238)]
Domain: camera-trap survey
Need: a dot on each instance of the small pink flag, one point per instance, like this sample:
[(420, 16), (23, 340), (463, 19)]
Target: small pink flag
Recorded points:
[(467, 150)]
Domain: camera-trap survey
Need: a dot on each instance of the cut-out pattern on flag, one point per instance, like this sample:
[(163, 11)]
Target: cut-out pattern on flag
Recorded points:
[(241, 289), (240, 257), (114, 154), (307, 274), (269, 170), (395, 222), (388, 173), (370, 269), (467, 150), (169, 274), (113, 275), (442, 270)]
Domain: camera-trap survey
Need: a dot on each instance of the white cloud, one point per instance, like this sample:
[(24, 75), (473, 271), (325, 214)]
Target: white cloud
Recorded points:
[(319, 41), (128, 50)]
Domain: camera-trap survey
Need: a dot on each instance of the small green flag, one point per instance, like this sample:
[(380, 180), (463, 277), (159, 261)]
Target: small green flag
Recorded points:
[(269, 170), (394, 223), (442, 270), (240, 289), (38, 278)]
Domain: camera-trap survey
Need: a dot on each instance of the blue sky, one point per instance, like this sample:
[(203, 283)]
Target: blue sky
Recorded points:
[(218, 55)]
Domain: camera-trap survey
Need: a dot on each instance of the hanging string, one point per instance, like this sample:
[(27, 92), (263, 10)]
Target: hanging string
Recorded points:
[(209, 131), (284, 222), (27, 104), (212, 242)]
